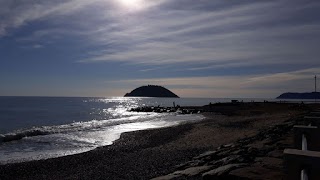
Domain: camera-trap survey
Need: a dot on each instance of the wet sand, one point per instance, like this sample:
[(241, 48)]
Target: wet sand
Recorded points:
[(151, 153)]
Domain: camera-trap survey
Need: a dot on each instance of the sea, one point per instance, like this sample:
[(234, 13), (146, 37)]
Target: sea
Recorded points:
[(34, 128)]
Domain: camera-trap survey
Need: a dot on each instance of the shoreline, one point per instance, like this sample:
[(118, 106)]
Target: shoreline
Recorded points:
[(168, 121), (151, 153)]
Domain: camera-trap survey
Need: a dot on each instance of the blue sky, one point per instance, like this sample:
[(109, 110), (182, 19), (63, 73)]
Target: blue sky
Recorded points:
[(199, 48)]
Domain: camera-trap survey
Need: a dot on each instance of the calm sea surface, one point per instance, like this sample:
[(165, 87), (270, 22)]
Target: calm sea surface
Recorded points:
[(34, 128)]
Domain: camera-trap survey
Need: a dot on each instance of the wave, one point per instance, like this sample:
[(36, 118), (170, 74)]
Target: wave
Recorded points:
[(76, 126), (17, 136)]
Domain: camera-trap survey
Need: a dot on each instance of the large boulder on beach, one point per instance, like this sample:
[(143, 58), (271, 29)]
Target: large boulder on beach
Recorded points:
[(151, 91)]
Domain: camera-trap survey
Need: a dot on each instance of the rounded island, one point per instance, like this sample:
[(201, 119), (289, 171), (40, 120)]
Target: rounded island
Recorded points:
[(151, 91)]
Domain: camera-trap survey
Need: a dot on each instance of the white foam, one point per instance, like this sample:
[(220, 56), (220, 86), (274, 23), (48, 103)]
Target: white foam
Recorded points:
[(84, 136)]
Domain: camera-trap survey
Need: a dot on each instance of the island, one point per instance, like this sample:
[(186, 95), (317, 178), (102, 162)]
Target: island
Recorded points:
[(307, 95), (151, 91)]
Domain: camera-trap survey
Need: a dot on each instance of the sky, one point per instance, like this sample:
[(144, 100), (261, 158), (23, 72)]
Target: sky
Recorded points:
[(203, 48)]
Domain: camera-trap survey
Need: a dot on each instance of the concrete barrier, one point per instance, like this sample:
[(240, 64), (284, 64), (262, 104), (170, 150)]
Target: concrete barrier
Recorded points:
[(301, 163), (312, 135), (312, 117), (315, 113), (314, 120)]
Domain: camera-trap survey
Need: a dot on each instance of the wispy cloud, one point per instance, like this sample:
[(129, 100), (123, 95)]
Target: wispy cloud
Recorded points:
[(37, 46), (230, 35), (18, 13), (267, 85), (234, 35)]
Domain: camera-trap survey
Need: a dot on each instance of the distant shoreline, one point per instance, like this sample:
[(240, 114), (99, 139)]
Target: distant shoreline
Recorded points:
[(306, 95)]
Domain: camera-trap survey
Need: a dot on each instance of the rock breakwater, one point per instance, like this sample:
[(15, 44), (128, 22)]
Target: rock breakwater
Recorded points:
[(247, 158)]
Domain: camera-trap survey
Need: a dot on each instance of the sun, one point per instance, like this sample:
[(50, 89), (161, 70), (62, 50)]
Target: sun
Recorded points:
[(132, 4)]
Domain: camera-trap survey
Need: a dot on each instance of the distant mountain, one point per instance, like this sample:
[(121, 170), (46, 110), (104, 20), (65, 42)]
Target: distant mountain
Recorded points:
[(310, 95), (151, 91)]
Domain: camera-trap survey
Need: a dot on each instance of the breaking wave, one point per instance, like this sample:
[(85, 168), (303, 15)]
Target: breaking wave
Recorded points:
[(76, 126)]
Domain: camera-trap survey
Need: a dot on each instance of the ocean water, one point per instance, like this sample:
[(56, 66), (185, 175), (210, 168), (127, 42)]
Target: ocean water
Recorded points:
[(33, 128)]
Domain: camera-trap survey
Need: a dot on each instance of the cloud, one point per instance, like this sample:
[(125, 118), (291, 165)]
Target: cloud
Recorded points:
[(206, 36), (265, 86), (232, 36), (37, 46), (19, 13)]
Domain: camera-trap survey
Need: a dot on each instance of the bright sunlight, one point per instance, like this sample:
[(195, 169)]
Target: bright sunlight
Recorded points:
[(132, 4)]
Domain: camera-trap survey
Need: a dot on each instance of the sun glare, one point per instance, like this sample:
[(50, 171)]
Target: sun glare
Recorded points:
[(132, 4)]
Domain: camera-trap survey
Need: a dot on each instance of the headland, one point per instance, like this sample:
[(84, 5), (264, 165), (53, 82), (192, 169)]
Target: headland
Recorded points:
[(307, 95)]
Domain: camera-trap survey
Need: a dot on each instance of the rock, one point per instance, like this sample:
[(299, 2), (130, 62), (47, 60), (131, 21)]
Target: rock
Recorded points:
[(167, 177), (204, 155), (226, 160), (248, 158), (245, 158), (193, 163), (224, 153), (264, 151), (240, 151), (221, 171), (229, 145), (192, 171), (255, 172), (269, 162), (253, 151), (276, 154)]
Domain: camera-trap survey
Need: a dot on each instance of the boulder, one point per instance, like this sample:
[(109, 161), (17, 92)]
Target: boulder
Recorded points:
[(221, 171), (189, 172), (206, 154)]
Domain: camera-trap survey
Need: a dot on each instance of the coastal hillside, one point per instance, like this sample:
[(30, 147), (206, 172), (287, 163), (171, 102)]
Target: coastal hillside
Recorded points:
[(308, 95), (151, 91)]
